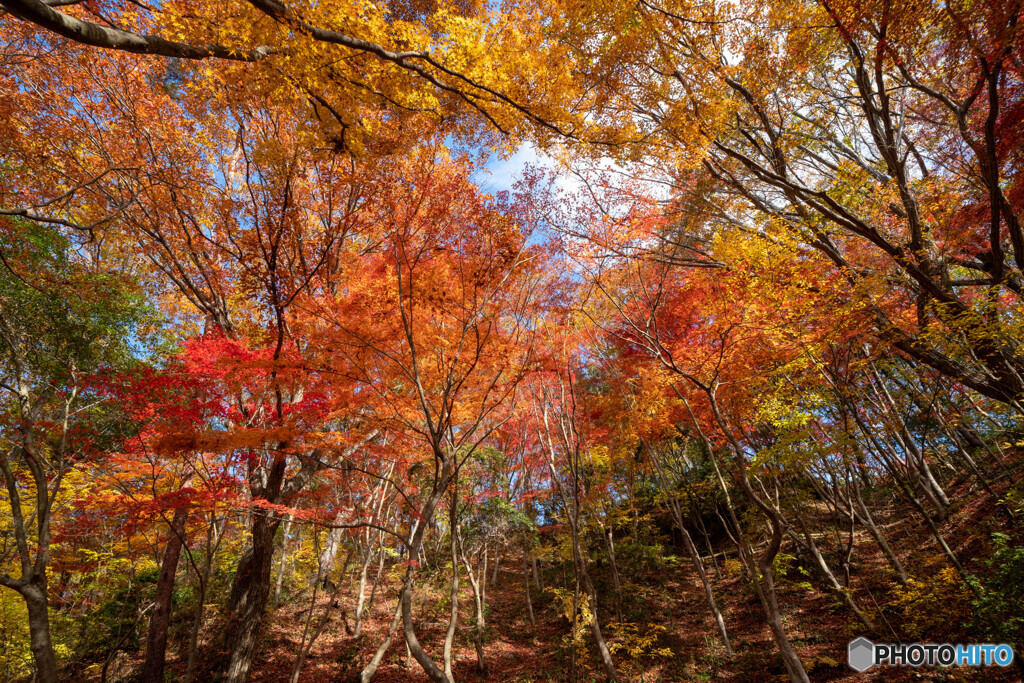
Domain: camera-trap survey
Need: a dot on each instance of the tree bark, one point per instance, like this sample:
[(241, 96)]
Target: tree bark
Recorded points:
[(213, 538), (497, 564), (691, 548), (284, 559), (34, 595), (609, 539), (249, 593), (368, 672), (529, 600), (361, 595), (156, 645), (475, 582), (453, 619), (764, 579)]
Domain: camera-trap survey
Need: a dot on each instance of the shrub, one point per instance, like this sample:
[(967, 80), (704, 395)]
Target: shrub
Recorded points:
[(732, 567), (629, 639), (935, 608), (998, 612)]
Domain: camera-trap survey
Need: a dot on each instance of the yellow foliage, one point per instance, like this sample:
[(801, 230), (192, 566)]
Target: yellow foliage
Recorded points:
[(15, 656), (936, 607), (637, 644), (584, 617), (599, 456)]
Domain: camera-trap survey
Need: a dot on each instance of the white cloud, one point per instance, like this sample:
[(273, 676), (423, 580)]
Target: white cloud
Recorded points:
[(500, 175)]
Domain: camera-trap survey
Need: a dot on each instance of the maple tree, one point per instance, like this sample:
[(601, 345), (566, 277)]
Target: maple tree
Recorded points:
[(434, 327), (839, 125)]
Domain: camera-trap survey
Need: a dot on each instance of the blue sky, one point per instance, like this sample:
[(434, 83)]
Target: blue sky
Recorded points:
[(501, 174)]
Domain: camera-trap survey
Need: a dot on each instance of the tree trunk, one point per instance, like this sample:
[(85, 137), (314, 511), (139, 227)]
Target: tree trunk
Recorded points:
[(307, 644), (411, 641), (361, 596), (529, 601), (213, 538), (415, 544), (156, 645), (709, 594), (764, 580), (284, 558), (376, 580), (497, 563), (595, 626), (330, 551), (609, 539), (677, 515), (34, 595), (707, 542), (453, 619), (368, 672), (877, 534), (475, 583), (248, 599), (844, 594), (300, 660), (483, 577)]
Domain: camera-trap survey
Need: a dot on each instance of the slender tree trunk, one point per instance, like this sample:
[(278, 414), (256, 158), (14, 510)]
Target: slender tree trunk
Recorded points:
[(301, 658), (475, 581), (453, 619), (156, 645), (966, 457), (914, 454), (330, 551), (483, 577), (595, 625), (609, 539), (876, 533), (284, 559), (368, 672), (707, 542), (415, 545), (764, 580), (213, 536), (529, 601), (709, 595), (373, 540), (361, 596), (939, 539), (497, 563), (691, 549), (572, 508), (193, 636), (842, 593), (307, 644), (376, 580), (412, 642)]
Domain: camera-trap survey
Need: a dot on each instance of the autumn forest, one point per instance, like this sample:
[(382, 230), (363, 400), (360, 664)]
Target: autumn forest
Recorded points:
[(294, 389)]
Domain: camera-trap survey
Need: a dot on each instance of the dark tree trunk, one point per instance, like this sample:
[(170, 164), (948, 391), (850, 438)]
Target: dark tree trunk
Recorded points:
[(34, 595), (156, 645), (249, 593)]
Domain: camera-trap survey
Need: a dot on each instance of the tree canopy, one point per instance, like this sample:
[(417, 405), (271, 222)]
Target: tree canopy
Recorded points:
[(281, 383)]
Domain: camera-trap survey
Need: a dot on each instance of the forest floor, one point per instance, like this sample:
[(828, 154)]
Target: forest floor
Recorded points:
[(665, 602)]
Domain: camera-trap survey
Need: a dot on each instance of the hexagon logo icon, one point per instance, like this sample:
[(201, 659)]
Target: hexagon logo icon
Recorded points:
[(861, 654)]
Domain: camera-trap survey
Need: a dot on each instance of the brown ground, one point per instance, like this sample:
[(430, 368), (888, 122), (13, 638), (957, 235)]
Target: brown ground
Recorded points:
[(670, 597)]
